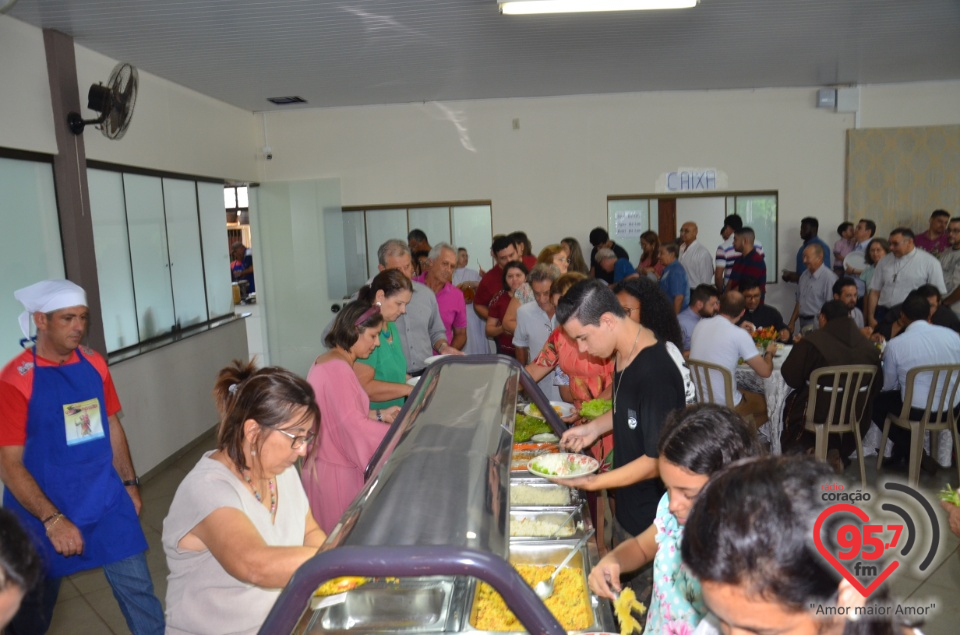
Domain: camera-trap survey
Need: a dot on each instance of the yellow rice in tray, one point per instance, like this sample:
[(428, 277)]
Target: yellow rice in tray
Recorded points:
[(569, 602)]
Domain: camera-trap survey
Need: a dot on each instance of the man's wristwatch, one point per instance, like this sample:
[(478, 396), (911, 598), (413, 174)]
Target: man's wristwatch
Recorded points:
[(135, 481)]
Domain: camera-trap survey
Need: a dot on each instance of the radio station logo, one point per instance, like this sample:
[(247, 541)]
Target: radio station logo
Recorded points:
[(866, 548)]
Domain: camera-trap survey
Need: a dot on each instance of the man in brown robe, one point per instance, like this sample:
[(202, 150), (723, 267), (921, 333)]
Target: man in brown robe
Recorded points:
[(838, 342)]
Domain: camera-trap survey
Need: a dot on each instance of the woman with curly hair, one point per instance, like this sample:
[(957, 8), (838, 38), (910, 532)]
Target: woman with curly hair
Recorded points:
[(646, 304)]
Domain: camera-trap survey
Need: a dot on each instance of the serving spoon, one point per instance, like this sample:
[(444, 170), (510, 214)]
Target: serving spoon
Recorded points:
[(564, 523), (544, 589)]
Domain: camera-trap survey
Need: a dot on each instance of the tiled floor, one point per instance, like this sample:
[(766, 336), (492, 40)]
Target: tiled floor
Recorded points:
[(86, 604)]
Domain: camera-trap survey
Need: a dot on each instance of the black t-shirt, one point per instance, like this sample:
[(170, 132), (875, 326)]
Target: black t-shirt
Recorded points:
[(649, 389), (606, 276), (764, 316)]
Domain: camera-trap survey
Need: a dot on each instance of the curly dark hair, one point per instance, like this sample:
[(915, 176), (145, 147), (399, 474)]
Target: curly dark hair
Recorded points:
[(656, 310)]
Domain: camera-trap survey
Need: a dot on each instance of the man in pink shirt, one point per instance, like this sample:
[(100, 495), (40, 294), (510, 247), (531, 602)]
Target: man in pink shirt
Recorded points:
[(453, 308), (935, 240)]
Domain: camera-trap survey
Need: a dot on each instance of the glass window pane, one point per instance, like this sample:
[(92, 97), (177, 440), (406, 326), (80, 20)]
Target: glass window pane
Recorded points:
[(708, 213), (216, 252), (760, 213), (473, 229), (434, 221), (355, 251), (30, 248), (109, 215), (186, 262), (148, 253), (242, 200), (626, 220), (229, 197), (382, 225)]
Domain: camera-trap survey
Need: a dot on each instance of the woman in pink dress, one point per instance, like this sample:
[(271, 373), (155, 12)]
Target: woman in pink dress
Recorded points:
[(333, 468)]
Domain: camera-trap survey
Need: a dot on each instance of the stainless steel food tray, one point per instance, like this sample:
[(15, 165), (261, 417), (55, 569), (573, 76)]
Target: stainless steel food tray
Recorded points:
[(406, 605), (574, 498), (551, 553), (573, 530)]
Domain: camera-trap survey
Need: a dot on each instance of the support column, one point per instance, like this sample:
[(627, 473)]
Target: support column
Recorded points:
[(70, 179)]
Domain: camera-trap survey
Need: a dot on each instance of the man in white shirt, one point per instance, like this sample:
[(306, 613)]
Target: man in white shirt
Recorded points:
[(535, 323), (920, 344), (845, 290), (950, 261), (814, 289), (718, 340), (696, 259), (898, 273), (863, 234)]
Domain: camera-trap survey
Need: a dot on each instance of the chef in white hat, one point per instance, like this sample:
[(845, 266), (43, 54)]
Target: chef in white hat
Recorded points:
[(65, 463)]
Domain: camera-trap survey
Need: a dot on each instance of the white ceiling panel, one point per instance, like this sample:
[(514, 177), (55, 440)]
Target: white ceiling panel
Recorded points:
[(358, 52)]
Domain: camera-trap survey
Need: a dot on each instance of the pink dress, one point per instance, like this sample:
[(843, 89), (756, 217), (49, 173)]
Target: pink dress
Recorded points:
[(333, 468)]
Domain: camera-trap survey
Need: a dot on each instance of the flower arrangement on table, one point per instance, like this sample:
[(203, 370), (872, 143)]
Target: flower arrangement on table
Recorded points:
[(763, 337)]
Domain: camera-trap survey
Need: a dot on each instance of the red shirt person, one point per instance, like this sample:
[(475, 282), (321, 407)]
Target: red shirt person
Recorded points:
[(65, 462), (504, 250)]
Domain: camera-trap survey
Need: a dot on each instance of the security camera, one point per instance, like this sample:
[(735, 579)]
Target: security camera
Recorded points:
[(268, 153)]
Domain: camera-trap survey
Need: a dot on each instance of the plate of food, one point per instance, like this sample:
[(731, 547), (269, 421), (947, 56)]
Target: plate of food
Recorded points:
[(594, 408), (855, 260), (563, 465), (562, 408), (433, 358)]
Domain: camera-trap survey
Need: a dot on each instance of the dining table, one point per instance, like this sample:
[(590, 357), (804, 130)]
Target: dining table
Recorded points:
[(774, 389)]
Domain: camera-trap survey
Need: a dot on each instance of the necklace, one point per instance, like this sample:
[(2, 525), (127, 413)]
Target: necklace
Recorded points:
[(616, 386), (270, 485)]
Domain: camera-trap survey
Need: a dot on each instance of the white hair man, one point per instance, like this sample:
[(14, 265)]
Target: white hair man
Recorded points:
[(441, 263)]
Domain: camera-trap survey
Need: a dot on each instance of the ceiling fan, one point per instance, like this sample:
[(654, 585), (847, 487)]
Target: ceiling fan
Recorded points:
[(114, 101)]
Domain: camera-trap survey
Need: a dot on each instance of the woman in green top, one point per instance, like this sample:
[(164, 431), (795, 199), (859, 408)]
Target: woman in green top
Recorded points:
[(383, 375)]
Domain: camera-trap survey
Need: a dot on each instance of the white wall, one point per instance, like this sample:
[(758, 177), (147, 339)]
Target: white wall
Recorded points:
[(173, 128), (553, 175), (25, 108), (166, 394)]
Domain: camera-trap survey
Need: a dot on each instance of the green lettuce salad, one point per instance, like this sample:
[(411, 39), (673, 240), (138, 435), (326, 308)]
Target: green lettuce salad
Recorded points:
[(595, 407), (526, 427), (950, 495)]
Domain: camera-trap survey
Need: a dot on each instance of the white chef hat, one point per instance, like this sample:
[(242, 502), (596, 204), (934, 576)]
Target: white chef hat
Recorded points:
[(47, 296)]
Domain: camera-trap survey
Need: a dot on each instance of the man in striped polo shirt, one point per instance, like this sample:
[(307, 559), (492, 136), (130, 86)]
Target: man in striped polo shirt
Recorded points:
[(750, 265)]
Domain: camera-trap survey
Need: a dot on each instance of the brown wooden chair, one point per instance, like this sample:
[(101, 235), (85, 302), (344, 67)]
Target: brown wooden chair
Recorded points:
[(714, 384), (842, 387), (938, 414)]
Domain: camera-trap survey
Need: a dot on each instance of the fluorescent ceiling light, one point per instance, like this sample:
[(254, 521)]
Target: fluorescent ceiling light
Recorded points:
[(523, 7)]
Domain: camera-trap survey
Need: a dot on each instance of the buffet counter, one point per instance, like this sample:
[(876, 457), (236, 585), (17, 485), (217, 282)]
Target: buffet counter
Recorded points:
[(443, 528)]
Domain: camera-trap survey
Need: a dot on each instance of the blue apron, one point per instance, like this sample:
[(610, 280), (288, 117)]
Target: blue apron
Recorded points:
[(69, 455)]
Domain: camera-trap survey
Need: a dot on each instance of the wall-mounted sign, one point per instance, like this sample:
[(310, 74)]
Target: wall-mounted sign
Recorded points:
[(692, 180)]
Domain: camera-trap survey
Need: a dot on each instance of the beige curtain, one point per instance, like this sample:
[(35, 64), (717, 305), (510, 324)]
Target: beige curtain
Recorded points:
[(898, 176)]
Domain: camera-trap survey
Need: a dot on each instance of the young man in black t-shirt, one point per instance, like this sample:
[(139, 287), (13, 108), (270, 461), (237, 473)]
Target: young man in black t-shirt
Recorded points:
[(647, 386)]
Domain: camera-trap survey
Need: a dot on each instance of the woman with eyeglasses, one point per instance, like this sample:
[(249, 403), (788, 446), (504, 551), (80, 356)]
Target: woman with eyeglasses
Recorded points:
[(240, 523), (352, 431)]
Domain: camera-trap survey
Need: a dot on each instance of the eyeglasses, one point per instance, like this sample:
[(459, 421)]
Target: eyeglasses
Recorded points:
[(298, 440)]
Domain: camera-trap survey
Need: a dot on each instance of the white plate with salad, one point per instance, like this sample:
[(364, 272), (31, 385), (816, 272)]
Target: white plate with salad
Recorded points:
[(562, 408), (563, 465)]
